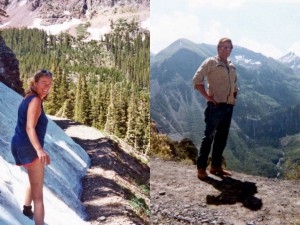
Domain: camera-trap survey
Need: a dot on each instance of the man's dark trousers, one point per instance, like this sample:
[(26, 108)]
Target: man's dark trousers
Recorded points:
[(217, 119)]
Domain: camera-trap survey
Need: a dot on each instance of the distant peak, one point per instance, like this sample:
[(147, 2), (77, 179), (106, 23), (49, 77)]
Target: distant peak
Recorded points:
[(291, 54), (289, 57), (183, 41)]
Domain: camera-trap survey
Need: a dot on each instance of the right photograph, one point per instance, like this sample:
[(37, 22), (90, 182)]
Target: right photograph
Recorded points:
[(225, 112)]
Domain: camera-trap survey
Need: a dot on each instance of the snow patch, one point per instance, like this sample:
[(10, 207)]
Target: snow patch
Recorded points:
[(55, 28), (67, 13), (240, 59), (290, 57), (88, 13), (5, 24), (22, 2), (97, 33), (146, 24)]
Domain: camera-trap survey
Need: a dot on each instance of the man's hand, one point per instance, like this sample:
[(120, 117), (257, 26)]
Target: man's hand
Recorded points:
[(211, 99), (201, 89)]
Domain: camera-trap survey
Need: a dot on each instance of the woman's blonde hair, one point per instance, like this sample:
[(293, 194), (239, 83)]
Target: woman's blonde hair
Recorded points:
[(31, 89)]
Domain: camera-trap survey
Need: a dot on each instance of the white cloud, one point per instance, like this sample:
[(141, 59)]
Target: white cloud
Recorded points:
[(295, 48), (266, 49), (166, 29), (215, 33), (196, 4), (273, 1)]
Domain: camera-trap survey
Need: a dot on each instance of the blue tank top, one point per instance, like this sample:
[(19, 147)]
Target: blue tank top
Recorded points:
[(21, 136)]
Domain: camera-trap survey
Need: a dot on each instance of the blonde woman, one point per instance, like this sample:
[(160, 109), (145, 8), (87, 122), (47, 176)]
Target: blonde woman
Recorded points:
[(28, 142)]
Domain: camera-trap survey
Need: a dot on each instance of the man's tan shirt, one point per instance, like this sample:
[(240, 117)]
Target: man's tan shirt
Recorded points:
[(221, 79)]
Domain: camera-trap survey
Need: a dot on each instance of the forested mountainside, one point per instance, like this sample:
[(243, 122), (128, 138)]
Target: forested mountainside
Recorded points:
[(104, 83), (267, 108)]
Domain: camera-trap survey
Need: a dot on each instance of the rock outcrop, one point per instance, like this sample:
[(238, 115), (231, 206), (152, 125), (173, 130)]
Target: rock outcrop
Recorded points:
[(59, 11), (75, 16), (9, 68)]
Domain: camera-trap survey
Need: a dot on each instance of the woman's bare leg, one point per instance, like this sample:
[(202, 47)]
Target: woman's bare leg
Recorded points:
[(36, 178), (28, 198)]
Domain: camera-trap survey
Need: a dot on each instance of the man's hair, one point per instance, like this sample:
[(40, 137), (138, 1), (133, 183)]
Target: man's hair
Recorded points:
[(222, 40)]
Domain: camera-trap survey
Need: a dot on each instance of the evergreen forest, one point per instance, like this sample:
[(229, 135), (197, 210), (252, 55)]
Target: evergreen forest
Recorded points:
[(104, 84)]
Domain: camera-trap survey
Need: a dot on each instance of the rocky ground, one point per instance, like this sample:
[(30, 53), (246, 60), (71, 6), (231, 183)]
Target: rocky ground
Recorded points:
[(179, 197), (116, 187)]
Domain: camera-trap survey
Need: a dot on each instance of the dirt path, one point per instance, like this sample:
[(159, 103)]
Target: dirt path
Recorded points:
[(113, 190), (178, 197)]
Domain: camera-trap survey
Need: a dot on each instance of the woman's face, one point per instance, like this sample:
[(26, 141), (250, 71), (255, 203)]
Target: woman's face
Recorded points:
[(43, 86)]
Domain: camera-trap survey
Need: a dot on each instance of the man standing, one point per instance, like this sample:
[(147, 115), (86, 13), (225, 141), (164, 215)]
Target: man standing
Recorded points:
[(221, 96)]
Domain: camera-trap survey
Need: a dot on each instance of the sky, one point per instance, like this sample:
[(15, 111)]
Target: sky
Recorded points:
[(270, 27)]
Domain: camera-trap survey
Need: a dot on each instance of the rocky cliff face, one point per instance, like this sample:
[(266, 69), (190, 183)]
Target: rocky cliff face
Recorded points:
[(9, 68), (60, 11), (75, 16)]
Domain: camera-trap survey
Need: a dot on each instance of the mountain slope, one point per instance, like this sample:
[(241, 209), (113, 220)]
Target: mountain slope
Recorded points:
[(292, 61), (74, 16), (267, 87), (62, 189)]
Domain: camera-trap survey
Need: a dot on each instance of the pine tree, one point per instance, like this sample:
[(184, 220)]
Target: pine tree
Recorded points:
[(132, 116), (53, 103), (85, 103), (69, 106), (104, 98), (64, 87), (78, 107), (120, 111), (111, 122)]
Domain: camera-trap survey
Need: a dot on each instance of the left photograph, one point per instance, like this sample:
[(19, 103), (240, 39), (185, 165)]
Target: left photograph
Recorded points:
[(74, 112)]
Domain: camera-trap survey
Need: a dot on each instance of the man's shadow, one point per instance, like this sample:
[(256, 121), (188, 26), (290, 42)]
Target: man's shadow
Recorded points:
[(234, 191)]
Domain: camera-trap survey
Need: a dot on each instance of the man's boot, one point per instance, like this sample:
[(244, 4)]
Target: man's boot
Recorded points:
[(202, 174), (219, 171)]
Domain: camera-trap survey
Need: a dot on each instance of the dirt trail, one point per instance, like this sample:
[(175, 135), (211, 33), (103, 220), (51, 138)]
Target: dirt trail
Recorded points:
[(114, 179), (179, 197)]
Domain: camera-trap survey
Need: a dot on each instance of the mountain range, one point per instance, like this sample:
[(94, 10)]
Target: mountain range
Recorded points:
[(266, 111), (73, 16)]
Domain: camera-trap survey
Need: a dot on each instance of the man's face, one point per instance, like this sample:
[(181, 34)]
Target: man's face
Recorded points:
[(224, 50)]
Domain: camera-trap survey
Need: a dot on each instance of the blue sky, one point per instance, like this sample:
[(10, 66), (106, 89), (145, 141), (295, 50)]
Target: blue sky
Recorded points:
[(271, 27)]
